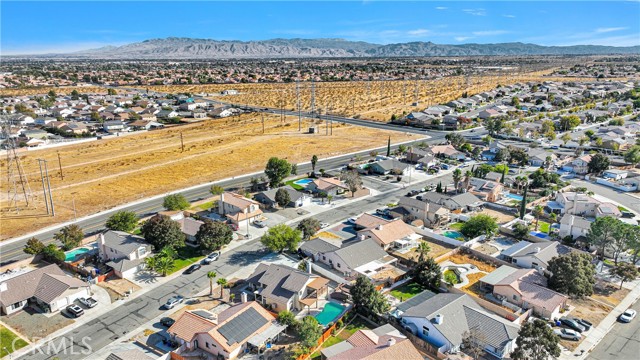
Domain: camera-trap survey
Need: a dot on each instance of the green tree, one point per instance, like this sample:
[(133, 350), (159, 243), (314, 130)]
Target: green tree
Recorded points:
[(602, 231), (213, 235), (428, 273), (457, 176), (294, 169), (282, 197), (633, 242), (538, 211), (572, 274), (389, 146), (439, 187), (309, 227), (52, 95), (620, 239), (53, 254), (160, 231), (480, 224), (276, 170), (626, 272), (281, 237), (287, 318), (211, 275), (632, 156), (175, 202), (366, 299), (222, 282), (112, 92), (309, 331), (164, 264), (33, 246), (75, 95), (598, 163), (70, 236), (523, 203), (536, 341), (122, 221), (422, 250), (96, 117), (216, 190), (314, 161), (520, 231), (569, 122)]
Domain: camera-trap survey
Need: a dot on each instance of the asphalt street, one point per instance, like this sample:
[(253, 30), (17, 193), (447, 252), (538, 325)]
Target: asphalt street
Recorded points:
[(621, 343), (103, 330), (11, 252), (628, 201)]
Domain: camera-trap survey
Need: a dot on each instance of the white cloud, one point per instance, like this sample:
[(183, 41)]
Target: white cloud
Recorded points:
[(609, 29), (490, 32), (509, 16), (622, 40), (441, 8), (418, 32), (462, 38), (475, 12)]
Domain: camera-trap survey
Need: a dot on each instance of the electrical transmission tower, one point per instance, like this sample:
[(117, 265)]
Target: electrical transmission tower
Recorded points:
[(19, 195), (313, 98)]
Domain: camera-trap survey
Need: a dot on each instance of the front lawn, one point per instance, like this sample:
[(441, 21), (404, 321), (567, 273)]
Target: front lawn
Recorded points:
[(204, 206), (295, 186), (457, 226), (406, 291), (187, 255), (544, 227), (7, 338)]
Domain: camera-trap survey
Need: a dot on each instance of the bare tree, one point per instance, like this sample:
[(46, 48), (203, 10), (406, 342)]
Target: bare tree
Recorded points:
[(473, 342), (352, 179)]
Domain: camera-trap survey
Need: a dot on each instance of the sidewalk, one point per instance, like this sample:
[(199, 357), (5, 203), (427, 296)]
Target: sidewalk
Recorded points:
[(600, 331)]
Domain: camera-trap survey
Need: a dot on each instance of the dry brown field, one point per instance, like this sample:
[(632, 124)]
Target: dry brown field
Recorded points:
[(105, 173), (376, 100), (59, 90)]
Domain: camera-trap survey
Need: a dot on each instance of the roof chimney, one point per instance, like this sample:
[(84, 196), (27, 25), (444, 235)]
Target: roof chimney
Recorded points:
[(391, 341), (243, 297), (439, 319), (379, 227)]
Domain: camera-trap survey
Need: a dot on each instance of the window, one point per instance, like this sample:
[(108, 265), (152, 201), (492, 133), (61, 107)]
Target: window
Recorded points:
[(515, 261), (515, 297), (534, 264), (207, 344), (338, 264), (16, 305), (425, 331), (324, 257)]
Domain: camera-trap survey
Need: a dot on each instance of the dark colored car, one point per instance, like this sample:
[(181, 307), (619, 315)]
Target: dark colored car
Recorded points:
[(193, 268), (587, 325), (75, 310), (572, 324), (167, 321)]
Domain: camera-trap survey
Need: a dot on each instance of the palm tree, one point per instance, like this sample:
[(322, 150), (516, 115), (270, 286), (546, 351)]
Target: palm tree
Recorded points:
[(150, 262), (211, 275), (423, 250), (164, 265), (537, 212), (457, 176), (222, 282), (314, 161), (467, 179), (168, 252)]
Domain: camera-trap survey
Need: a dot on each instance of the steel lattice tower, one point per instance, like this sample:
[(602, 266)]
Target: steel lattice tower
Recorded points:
[(19, 193)]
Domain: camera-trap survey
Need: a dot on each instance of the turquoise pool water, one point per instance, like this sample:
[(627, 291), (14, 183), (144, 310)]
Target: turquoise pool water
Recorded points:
[(539, 234), (453, 234), (71, 255), (330, 313), (514, 197), (303, 182)]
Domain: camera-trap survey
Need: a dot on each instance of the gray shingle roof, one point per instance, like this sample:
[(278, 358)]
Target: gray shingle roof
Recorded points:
[(360, 253), (123, 242), (460, 313), (279, 281), (316, 246), (294, 194), (418, 299), (124, 264)]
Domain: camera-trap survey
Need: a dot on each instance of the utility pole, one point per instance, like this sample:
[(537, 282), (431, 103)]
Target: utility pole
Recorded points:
[(48, 186), (46, 169), (44, 187), (262, 122), (313, 98), (60, 166), (298, 102), (404, 96), (181, 142)]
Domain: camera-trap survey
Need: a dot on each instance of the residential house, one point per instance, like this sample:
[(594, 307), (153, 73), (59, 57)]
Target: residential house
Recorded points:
[(75, 128), (146, 124), (124, 252), (443, 320), (534, 255), (384, 342), (35, 134), (364, 257), (238, 208), (391, 233), (430, 214), (494, 176), (457, 203), (315, 247), (582, 204), (525, 288), (234, 331), (330, 186), (579, 166), (297, 198), (424, 157), (48, 288), (148, 117), (190, 227), (389, 166), (447, 151), (486, 190), (281, 288), (220, 112), (488, 114), (615, 174), (538, 157), (166, 114), (113, 126), (574, 226)]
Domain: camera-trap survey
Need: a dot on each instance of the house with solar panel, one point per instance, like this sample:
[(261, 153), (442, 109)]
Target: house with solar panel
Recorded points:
[(245, 327)]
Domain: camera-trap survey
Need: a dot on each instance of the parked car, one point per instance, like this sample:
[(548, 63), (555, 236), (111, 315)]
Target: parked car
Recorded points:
[(89, 302), (233, 226), (572, 324), (419, 197), (75, 310), (173, 301), (192, 268), (352, 220), (628, 315), (167, 321), (382, 211), (324, 225), (587, 325), (212, 257), (568, 334), (259, 223)]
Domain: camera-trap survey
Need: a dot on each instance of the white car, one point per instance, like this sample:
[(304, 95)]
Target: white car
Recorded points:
[(628, 315), (211, 257), (352, 220), (324, 225), (568, 334)]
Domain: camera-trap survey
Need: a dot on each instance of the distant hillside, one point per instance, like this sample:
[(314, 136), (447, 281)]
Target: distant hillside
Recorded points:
[(187, 48)]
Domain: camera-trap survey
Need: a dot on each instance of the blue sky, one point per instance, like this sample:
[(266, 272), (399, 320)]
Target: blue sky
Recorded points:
[(52, 26)]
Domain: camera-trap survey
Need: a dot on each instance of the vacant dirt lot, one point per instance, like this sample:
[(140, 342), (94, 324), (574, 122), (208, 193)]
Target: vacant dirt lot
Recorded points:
[(589, 310), (500, 217), (59, 90), (106, 173), (376, 100)]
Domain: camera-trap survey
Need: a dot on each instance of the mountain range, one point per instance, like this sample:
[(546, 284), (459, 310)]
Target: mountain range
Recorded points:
[(189, 48)]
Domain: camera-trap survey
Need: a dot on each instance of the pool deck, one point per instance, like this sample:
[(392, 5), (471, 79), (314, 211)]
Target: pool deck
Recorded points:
[(462, 270)]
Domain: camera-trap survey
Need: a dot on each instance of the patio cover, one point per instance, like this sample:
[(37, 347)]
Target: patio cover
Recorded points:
[(272, 331), (318, 283)]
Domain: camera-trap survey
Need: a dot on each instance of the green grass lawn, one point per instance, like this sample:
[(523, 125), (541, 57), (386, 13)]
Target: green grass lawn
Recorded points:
[(137, 231), (406, 291), (457, 226), (186, 256), (451, 277), (622, 208), (6, 339), (295, 186), (544, 227), (204, 206)]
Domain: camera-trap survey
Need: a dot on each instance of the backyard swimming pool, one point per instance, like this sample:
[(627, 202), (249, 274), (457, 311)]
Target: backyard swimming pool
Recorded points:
[(514, 196), (303, 182), (539, 234), (71, 255), (456, 235), (329, 313)]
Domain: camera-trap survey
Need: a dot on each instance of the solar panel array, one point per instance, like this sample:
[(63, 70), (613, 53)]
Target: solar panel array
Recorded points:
[(242, 326)]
